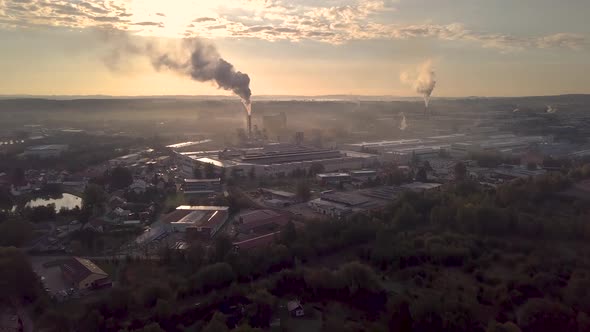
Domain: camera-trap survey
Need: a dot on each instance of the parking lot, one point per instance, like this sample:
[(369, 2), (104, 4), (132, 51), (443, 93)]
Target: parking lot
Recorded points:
[(47, 268)]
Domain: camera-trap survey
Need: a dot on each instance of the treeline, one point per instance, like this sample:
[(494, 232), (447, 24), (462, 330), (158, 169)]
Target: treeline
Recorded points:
[(444, 249)]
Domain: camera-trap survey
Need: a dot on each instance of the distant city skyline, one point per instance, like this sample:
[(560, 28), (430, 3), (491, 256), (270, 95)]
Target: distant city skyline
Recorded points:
[(303, 47)]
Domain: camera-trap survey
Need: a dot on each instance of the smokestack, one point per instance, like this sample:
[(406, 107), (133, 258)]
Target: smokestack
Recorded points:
[(249, 119)]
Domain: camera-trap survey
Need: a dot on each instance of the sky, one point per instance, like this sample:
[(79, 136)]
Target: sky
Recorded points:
[(300, 47)]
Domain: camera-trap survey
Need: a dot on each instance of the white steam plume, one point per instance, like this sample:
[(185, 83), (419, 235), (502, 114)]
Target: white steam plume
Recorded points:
[(422, 80), (403, 123)]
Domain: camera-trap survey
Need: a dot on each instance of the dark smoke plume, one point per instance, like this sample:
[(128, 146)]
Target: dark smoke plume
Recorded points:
[(196, 58)]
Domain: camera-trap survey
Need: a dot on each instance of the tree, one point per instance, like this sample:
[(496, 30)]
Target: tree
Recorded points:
[(261, 308), (18, 177), (163, 310), (212, 276), (289, 233), (216, 324), (494, 326), (246, 328), (18, 282), (93, 198), (542, 315), (396, 177), (460, 171), (40, 213), (223, 245), (57, 321), (93, 321), (316, 168), (153, 327), (406, 216), (401, 318), (15, 233), (302, 191), (6, 201), (421, 175), (120, 178), (583, 322)]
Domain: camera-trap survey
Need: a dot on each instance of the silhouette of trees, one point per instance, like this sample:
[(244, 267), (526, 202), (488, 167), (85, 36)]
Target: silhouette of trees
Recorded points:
[(460, 171), (120, 178)]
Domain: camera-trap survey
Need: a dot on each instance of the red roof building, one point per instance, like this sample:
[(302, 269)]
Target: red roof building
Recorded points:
[(261, 221), (261, 241)]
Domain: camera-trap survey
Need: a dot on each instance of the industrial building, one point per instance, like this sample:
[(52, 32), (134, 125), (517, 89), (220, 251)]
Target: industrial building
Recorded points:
[(257, 242), (420, 187), (278, 198), (340, 204), (198, 221), (46, 151), (278, 159), (84, 274), (459, 145), (261, 222), (405, 154), (333, 178), (201, 186), (501, 143)]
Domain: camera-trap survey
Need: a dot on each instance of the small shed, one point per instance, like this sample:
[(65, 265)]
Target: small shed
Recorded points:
[(295, 308)]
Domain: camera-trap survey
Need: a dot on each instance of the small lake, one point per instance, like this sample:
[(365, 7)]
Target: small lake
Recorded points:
[(67, 201)]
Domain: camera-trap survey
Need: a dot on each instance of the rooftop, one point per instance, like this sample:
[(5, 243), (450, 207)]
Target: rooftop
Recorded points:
[(344, 198), (420, 186), (258, 214), (278, 192), (202, 180), (330, 175), (47, 147), (259, 241), (80, 268)]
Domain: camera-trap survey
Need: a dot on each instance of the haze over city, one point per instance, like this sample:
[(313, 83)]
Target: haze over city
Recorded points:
[(299, 47), (294, 165)]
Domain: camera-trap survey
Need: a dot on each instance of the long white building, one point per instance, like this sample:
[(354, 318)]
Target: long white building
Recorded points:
[(278, 159)]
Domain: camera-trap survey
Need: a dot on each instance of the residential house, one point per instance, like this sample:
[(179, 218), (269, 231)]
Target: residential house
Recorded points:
[(295, 308), (84, 274), (138, 186)]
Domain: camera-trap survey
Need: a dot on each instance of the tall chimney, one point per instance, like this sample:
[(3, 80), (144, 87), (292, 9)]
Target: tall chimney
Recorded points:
[(249, 126)]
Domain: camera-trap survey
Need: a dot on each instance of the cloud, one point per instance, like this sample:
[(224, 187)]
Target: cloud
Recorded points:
[(204, 19), (78, 14), (329, 21), (156, 24)]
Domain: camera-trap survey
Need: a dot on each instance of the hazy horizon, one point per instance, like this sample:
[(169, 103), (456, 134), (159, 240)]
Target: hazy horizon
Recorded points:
[(297, 47)]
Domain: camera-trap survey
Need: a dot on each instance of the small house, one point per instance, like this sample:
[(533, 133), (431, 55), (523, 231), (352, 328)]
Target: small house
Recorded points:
[(295, 308)]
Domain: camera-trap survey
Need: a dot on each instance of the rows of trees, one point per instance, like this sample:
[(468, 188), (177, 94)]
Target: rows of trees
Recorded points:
[(466, 259)]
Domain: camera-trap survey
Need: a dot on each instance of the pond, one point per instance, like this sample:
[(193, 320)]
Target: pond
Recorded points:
[(67, 201)]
